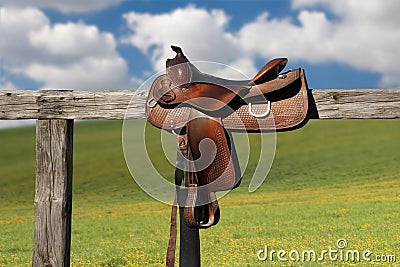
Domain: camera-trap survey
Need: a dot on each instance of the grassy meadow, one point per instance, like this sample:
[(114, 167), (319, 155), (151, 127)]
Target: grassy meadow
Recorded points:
[(330, 180)]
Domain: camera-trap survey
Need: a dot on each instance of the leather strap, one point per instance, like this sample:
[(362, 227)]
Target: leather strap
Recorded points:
[(179, 176), (170, 259)]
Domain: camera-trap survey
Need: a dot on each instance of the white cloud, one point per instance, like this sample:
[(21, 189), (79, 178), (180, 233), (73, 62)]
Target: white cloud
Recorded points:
[(309, 41), (70, 6), (85, 74), (240, 69), (6, 84), (368, 11), (70, 55), (363, 35), (367, 36), (73, 40), (197, 30), (15, 27)]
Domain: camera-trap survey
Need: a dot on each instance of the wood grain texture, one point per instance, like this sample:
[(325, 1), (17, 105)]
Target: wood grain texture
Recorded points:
[(357, 104), (64, 104), (53, 193), (52, 104)]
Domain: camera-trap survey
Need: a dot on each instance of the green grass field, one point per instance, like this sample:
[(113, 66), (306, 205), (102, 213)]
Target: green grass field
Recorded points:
[(329, 180)]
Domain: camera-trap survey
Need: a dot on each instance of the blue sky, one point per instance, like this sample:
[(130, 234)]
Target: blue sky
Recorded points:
[(114, 44)]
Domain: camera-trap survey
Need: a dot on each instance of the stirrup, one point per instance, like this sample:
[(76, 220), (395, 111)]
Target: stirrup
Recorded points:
[(190, 208)]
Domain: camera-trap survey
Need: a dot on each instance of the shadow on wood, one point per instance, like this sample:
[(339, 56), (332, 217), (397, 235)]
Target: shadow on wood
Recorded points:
[(312, 107)]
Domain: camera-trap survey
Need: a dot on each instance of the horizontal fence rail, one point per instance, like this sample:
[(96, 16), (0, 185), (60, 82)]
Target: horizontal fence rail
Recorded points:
[(102, 104)]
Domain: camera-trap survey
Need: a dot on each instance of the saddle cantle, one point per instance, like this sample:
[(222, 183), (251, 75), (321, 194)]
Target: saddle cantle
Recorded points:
[(202, 108)]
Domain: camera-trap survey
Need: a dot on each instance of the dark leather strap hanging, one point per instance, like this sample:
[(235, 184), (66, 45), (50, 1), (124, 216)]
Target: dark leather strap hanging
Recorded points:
[(179, 177)]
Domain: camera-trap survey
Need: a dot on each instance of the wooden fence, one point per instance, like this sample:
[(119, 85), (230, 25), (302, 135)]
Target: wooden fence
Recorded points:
[(56, 110)]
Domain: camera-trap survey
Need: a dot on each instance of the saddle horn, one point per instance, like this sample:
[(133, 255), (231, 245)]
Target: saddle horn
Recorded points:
[(177, 49)]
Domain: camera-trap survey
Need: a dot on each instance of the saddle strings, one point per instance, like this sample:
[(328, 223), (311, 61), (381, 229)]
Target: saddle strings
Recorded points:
[(182, 154)]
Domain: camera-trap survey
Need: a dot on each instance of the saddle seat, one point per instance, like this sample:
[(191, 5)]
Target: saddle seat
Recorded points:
[(186, 84), (182, 71)]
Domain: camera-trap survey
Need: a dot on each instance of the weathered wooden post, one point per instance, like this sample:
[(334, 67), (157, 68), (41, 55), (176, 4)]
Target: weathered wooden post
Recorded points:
[(53, 192)]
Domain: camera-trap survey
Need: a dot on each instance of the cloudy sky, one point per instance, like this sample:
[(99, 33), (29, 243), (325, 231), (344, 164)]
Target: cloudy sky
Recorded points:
[(115, 44)]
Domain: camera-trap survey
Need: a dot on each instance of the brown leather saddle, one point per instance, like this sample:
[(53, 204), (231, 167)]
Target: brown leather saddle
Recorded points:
[(202, 110)]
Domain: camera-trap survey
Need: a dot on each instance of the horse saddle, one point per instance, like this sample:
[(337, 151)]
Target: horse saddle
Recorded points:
[(203, 110)]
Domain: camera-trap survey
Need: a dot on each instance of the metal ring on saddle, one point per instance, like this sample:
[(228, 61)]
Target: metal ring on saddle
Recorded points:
[(148, 103), (174, 133), (172, 125), (265, 114)]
